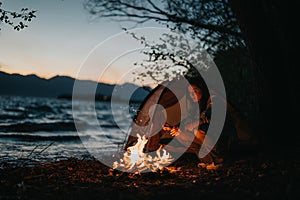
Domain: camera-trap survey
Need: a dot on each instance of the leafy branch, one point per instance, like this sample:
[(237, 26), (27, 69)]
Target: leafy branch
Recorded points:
[(17, 20)]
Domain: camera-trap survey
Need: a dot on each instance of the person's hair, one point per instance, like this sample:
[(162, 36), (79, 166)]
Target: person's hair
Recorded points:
[(200, 83)]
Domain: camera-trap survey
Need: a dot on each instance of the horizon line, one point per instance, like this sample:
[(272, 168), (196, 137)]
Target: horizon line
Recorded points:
[(69, 76)]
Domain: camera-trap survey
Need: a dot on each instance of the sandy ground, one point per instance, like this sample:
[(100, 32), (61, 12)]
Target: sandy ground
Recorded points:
[(249, 176)]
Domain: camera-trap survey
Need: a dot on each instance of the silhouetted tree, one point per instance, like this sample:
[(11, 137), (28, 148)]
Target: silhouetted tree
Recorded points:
[(210, 20), (223, 25), (17, 20), (266, 30)]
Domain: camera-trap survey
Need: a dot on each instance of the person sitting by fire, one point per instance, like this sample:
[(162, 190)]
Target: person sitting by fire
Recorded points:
[(193, 128)]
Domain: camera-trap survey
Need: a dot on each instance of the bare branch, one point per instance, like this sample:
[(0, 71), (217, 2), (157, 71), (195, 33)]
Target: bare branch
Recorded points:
[(202, 19)]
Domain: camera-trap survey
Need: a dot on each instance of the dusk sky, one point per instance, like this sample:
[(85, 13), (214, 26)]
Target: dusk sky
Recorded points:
[(58, 40)]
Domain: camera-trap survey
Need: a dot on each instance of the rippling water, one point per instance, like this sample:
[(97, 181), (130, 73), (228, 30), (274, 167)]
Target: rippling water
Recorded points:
[(43, 129)]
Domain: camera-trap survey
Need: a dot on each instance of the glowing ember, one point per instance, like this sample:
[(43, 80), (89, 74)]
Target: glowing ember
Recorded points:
[(134, 159), (210, 167)]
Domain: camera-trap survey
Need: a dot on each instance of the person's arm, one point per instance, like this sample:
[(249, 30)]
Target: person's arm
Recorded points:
[(170, 148), (192, 126)]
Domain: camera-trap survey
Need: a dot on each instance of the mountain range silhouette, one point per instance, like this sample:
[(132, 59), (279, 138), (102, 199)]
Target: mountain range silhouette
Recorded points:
[(62, 87)]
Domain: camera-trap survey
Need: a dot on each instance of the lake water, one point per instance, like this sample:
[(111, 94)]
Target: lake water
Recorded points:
[(42, 129)]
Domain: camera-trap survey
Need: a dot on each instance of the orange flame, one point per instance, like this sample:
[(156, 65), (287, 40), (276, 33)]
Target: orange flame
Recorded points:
[(135, 158)]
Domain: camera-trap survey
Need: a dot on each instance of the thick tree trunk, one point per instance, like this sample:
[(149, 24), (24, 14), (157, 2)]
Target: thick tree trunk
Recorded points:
[(264, 28)]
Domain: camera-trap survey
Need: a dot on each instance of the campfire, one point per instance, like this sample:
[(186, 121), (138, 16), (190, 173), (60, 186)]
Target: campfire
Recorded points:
[(136, 160)]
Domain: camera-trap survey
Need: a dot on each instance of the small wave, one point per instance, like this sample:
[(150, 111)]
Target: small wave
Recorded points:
[(36, 138), (109, 126), (41, 108), (12, 117), (105, 117), (35, 127), (15, 110)]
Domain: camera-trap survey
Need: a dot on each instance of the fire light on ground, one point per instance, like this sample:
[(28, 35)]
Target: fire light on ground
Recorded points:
[(135, 160)]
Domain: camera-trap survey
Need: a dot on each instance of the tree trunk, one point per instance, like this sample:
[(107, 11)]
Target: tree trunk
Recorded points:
[(266, 34)]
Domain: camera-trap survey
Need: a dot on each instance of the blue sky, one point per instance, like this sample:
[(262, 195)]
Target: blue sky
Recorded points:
[(57, 41)]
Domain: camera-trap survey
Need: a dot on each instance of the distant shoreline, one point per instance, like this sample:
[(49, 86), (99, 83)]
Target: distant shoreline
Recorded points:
[(62, 87), (99, 97)]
